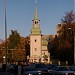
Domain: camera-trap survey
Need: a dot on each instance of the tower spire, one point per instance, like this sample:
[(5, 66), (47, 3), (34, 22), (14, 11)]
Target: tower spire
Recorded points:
[(35, 12), (36, 22)]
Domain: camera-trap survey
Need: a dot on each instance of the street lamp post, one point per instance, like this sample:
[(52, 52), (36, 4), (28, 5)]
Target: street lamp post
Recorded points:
[(74, 46), (5, 33), (3, 59), (74, 41)]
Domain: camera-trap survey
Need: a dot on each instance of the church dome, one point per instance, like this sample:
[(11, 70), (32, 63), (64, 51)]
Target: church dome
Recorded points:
[(35, 30)]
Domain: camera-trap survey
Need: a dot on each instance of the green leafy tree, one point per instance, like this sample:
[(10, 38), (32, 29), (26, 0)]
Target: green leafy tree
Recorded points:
[(12, 42), (14, 39)]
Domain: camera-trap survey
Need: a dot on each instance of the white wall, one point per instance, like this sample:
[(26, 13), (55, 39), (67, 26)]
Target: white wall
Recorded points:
[(35, 45)]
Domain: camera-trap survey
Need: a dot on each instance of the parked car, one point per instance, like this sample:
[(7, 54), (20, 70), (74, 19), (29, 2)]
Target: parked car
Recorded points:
[(61, 70), (72, 68), (39, 68), (31, 71), (3, 67), (50, 66), (13, 68)]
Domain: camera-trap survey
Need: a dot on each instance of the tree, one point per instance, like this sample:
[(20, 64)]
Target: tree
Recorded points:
[(53, 47), (69, 17), (19, 55), (18, 48), (12, 42), (27, 46), (14, 39), (62, 46), (67, 37), (21, 48)]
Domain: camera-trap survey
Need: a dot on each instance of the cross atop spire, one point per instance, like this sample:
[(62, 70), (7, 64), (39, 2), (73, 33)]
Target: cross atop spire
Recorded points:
[(35, 12)]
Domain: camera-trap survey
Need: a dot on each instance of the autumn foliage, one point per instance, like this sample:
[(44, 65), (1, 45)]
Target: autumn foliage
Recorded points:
[(62, 46), (17, 48)]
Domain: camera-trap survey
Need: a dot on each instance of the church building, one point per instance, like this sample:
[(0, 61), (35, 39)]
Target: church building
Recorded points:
[(38, 42)]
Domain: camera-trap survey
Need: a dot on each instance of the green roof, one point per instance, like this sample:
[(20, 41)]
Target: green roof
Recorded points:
[(35, 31), (44, 42)]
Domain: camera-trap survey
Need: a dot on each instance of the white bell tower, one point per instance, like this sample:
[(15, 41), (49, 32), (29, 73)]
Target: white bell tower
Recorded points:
[(35, 39)]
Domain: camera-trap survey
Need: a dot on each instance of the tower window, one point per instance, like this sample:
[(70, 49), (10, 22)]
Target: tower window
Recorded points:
[(35, 40), (35, 22), (35, 49)]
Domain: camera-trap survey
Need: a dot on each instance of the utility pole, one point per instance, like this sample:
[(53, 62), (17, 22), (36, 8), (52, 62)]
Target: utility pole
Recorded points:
[(74, 41), (5, 33), (74, 46)]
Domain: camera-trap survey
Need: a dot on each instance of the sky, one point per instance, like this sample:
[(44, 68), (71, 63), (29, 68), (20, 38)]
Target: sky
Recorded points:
[(20, 13)]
